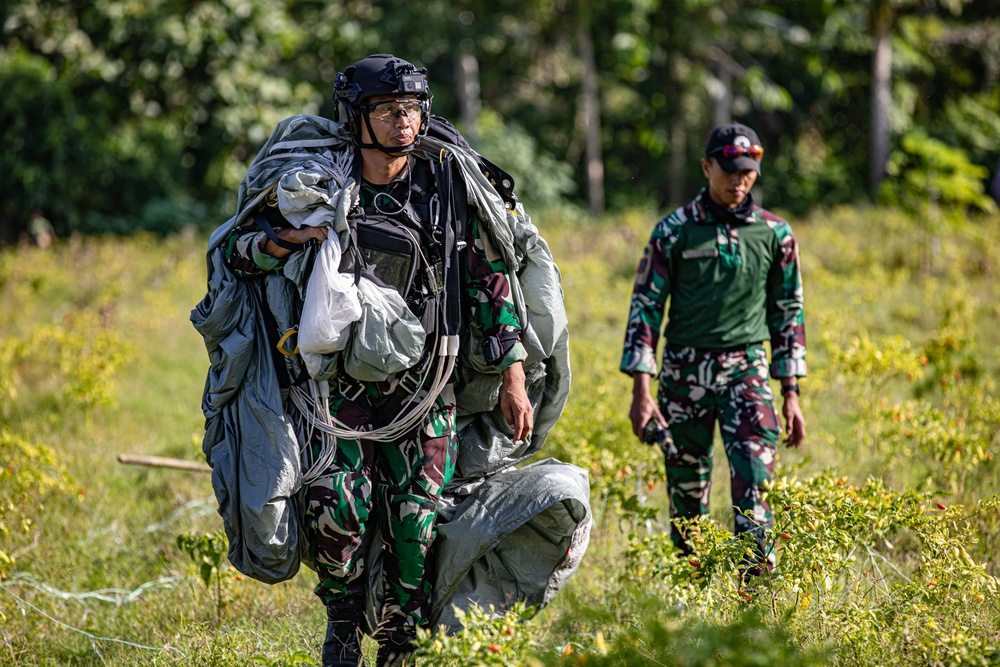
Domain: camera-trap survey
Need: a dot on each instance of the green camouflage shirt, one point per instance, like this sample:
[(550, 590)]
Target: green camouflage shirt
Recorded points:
[(729, 284)]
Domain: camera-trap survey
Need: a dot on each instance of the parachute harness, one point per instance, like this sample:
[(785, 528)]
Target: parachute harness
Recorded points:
[(425, 382)]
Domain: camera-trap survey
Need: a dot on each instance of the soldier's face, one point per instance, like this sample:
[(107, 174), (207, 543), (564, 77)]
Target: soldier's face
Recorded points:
[(724, 188), (395, 122)]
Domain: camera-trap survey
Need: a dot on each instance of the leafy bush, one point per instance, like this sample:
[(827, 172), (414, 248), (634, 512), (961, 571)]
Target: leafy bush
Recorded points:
[(208, 554), (673, 640), (29, 472), (488, 637), (42, 162), (855, 563), (541, 180), (927, 173), (163, 215)]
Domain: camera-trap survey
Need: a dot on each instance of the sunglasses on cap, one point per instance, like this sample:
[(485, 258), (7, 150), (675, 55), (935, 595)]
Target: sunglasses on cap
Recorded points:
[(387, 110), (732, 150)]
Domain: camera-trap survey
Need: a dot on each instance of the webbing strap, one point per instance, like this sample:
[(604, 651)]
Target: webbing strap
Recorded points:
[(352, 225), (263, 223), (452, 234)]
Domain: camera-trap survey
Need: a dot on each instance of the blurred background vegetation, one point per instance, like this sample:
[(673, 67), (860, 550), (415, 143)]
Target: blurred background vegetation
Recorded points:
[(123, 115), (881, 122)]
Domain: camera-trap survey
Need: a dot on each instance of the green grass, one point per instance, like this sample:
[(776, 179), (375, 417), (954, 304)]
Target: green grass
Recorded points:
[(111, 529)]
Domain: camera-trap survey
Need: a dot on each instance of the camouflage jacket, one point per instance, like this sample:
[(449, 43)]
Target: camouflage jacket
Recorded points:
[(729, 284)]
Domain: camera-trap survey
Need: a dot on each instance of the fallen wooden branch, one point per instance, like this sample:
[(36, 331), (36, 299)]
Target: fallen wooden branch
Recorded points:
[(163, 462)]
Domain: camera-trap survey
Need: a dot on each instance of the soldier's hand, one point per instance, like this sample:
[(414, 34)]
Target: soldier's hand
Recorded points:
[(644, 407), (514, 402), (795, 423), (295, 235), (304, 234)]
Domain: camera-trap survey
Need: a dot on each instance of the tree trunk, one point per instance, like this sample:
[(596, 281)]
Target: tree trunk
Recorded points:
[(469, 100), (881, 18), (678, 160), (590, 104), (995, 185), (722, 112)]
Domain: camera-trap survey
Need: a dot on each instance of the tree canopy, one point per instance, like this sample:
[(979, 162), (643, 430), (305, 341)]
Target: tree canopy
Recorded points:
[(121, 115)]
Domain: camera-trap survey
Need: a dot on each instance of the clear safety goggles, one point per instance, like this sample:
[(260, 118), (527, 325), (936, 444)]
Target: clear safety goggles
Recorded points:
[(388, 110)]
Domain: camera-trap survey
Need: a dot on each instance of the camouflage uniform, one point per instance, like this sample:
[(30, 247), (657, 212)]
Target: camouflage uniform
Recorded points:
[(731, 286), (400, 483), (397, 484)]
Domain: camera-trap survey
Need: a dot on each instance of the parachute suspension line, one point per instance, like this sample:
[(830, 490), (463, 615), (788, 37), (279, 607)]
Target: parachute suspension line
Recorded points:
[(314, 413), (342, 163), (314, 405)]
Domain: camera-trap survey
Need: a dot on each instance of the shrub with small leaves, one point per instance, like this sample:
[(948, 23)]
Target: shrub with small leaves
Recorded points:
[(704, 577), (87, 355), (207, 553), (290, 659), (949, 447), (855, 563), (12, 354), (671, 640), (29, 472), (488, 637)]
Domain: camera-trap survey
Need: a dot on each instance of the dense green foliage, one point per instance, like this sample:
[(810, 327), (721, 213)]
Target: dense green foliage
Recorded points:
[(888, 524), (123, 115)]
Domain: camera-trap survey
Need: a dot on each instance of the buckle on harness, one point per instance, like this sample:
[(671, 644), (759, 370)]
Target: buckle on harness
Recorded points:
[(409, 383), (344, 387)]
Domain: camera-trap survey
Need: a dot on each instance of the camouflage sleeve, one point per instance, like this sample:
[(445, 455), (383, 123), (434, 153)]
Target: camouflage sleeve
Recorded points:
[(487, 286), (785, 307), (243, 252), (649, 298)]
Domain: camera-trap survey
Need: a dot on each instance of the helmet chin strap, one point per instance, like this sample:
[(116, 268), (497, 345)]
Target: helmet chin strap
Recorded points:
[(391, 152)]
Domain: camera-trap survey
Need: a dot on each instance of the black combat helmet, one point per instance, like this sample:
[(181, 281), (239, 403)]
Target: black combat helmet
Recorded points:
[(379, 74)]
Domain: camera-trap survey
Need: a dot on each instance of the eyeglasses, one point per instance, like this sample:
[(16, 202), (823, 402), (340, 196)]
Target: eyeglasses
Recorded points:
[(732, 150), (387, 110)]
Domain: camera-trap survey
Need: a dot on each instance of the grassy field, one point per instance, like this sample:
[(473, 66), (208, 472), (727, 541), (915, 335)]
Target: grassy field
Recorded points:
[(890, 507)]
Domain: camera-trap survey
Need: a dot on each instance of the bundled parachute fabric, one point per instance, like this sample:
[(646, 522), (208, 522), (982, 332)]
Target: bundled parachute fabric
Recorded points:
[(387, 339), (518, 536), (506, 533), (249, 440)]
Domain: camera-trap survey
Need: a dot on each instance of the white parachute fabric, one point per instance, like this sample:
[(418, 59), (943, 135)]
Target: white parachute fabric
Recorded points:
[(330, 306)]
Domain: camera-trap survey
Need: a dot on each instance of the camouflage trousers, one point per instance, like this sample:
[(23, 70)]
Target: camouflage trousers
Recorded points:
[(395, 484), (699, 388)]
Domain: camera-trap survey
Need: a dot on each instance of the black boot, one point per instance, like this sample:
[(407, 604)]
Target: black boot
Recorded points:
[(342, 647), (395, 649)]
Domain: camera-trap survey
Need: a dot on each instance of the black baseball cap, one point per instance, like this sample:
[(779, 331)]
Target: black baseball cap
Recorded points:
[(735, 146)]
